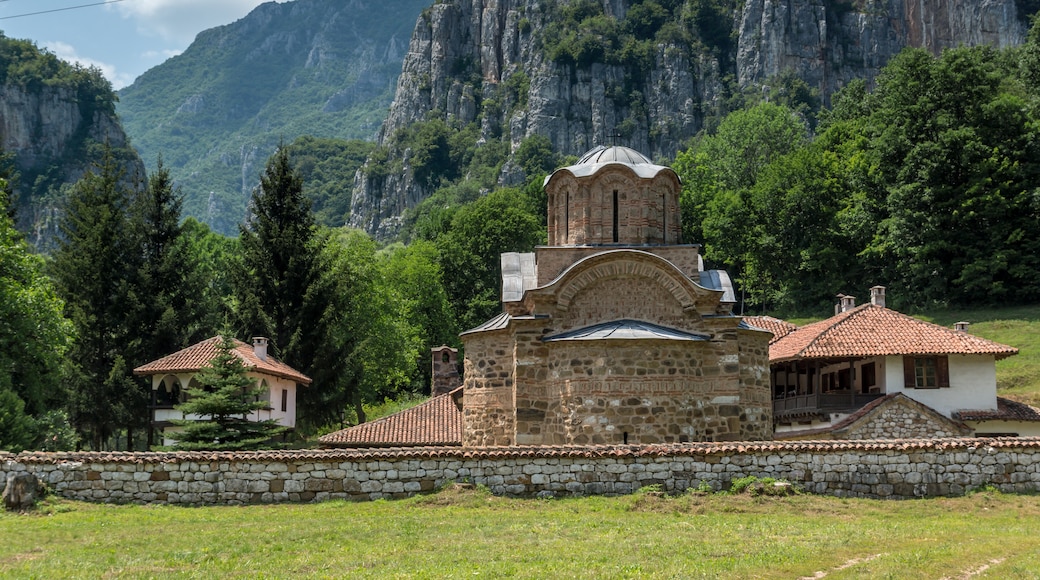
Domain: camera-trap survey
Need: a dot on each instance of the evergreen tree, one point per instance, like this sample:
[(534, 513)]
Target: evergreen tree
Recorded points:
[(170, 305), (222, 403), (282, 293), (94, 270)]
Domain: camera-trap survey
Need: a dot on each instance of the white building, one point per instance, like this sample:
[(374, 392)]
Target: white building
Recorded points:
[(173, 374), (872, 372)]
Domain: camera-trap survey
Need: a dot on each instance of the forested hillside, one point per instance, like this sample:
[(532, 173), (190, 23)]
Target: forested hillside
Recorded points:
[(323, 68), (649, 74), (926, 184)]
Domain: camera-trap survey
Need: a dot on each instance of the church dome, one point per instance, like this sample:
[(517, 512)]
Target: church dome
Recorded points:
[(613, 195), (616, 154), (601, 157)]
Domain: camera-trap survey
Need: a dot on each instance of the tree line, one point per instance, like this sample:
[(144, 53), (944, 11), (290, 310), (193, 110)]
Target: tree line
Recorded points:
[(928, 183), (131, 281)]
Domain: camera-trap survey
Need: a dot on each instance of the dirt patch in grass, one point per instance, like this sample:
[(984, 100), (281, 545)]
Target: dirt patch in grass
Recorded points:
[(457, 494)]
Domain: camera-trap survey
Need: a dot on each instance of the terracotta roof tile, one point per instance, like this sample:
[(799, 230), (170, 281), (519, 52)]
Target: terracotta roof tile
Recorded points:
[(870, 330), (547, 452), (197, 356), (779, 328), (435, 422), (1007, 410)]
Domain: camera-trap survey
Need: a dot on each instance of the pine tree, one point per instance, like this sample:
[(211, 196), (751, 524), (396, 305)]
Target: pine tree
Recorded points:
[(94, 269), (282, 291), (222, 403), (169, 310)]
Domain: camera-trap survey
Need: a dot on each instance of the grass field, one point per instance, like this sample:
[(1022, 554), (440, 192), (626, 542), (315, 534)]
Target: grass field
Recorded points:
[(470, 534)]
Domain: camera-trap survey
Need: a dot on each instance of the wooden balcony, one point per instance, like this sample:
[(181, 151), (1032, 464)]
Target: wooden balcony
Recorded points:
[(821, 403)]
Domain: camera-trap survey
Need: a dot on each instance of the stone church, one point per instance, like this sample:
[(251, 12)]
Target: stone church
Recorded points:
[(613, 333)]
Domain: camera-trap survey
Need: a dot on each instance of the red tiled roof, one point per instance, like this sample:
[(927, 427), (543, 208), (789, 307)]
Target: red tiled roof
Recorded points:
[(435, 422), (197, 356), (529, 452), (1007, 410), (870, 330), (779, 328)]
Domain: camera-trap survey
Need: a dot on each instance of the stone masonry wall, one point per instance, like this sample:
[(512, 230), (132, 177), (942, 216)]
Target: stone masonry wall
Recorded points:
[(553, 260), (647, 391), (882, 469), (488, 410), (901, 422)]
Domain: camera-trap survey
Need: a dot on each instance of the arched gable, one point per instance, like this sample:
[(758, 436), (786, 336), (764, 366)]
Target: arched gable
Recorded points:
[(631, 263)]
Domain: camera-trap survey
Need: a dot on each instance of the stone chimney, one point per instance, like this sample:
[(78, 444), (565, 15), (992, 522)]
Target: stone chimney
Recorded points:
[(260, 347), (845, 303), (961, 326), (445, 376), (877, 296)]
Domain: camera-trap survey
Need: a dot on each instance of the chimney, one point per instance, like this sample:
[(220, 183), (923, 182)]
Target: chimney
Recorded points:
[(847, 303), (877, 296), (961, 326), (445, 377), (260, 347)]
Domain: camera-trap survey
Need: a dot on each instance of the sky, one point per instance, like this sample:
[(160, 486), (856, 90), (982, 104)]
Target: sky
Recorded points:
[(123, 38)]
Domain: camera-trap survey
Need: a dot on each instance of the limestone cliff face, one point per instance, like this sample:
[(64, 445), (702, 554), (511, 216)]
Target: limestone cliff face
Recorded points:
[(464, 54), (48, 131), (829, 47)]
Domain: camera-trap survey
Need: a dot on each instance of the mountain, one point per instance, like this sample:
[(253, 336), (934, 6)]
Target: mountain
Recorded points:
[(55, 119), (325, 68), (650, 73)]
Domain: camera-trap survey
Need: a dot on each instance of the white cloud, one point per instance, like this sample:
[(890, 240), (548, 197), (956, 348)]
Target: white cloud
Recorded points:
[(180, 20), (67, 52)]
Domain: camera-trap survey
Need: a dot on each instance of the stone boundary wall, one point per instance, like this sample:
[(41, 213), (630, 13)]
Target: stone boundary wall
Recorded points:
[(881, 469)]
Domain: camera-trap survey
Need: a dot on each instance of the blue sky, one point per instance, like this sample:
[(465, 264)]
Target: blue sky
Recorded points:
[(123, 38)]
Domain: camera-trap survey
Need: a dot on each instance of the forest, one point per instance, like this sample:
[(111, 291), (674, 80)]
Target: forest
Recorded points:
[(927, 183)]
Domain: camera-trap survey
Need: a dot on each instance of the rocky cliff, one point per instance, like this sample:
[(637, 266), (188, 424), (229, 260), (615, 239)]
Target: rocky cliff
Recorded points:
[(325, 68), (503, 65), (53, 123)]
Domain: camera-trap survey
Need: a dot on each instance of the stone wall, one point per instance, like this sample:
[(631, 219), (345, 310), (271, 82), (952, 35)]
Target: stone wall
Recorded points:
[(553, 260), (883, 469), (488, 409), (903, 418)]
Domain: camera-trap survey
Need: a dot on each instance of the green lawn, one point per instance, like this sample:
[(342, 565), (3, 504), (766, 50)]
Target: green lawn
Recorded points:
[(469, 534)]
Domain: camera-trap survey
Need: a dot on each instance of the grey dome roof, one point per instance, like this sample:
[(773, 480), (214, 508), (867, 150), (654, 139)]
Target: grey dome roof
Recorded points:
[(601, 154), (600, 157)]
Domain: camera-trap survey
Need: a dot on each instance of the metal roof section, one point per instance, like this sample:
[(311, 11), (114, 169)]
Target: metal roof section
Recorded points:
[(600, 157), (497, 323), (719, 280), (518, 275), (626, 329)]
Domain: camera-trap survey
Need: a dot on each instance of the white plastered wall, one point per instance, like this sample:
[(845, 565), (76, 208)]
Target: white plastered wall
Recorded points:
[(973, 384), (275, 385)]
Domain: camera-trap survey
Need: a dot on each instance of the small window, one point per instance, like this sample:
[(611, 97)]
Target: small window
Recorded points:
[(926, 372), (285, 400)]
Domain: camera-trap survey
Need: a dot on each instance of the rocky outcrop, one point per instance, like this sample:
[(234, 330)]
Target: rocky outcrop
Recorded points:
[(49, 131), (466, 54), (829, 44)]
